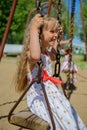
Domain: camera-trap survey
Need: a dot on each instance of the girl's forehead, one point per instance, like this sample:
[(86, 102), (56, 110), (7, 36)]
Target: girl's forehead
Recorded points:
[(52, 25)]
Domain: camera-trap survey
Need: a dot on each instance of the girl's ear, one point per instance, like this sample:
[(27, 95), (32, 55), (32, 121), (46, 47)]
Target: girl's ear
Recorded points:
[(41, 36)]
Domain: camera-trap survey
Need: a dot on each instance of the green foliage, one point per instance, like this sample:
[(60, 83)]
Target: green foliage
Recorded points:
[(19, 21), (65, 19), (5, 6), (84, 10), (23, 8), (80, 62)]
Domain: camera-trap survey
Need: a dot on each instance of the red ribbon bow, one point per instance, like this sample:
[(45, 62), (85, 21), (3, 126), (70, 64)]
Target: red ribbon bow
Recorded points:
[(46, 77)]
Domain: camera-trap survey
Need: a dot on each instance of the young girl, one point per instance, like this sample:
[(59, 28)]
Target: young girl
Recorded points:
[(64, 115), (65, 65)]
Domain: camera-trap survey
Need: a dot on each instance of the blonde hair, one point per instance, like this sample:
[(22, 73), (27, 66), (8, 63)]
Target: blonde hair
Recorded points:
[(21, 79), (50, 23)]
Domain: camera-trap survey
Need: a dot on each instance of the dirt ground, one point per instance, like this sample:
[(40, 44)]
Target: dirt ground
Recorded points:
[(8, 95)]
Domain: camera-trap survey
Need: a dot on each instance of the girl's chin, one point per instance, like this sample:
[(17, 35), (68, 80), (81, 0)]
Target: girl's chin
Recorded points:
[(51, 43)]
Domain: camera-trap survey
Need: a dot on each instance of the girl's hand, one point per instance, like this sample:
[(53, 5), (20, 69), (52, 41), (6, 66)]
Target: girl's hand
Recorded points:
[(61, 30), (37, 22), (65, 41), (69, 40)]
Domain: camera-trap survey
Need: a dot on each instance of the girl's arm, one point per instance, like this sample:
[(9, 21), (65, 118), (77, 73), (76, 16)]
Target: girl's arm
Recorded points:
[(34, 53), (54, 48), (62, 42)]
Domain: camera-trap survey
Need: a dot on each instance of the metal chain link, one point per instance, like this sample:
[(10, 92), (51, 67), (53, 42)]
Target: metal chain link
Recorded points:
[(57, 64)]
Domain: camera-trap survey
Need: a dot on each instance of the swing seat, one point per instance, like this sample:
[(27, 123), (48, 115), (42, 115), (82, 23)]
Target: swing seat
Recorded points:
[(26, 119)]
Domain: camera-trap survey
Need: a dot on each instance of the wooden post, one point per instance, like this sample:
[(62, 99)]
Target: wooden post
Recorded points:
[(83, 28), (7, 28)]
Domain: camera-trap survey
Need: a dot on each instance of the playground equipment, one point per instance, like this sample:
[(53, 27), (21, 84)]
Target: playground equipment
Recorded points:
[(25, 118)]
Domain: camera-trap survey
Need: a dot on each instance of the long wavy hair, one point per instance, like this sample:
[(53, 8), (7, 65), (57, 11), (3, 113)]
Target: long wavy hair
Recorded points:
[(21, 78)]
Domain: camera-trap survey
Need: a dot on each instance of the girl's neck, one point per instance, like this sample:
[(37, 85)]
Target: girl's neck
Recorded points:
[(43, 49)]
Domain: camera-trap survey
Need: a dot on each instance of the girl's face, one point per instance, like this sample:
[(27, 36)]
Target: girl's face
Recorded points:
[(50, 34)]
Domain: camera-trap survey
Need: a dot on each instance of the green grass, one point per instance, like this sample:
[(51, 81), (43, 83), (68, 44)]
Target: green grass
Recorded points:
[(79, 61)]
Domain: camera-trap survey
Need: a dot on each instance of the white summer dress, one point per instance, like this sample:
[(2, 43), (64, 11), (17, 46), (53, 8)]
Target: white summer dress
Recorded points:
[(65, 117)]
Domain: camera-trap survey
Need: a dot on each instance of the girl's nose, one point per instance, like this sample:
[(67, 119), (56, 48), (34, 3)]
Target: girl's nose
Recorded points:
[(55, 35)]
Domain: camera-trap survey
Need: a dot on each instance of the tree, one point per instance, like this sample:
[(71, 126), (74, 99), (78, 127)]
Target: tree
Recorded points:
[(19, 20), (18, 25), (84, 10), (5, 6), (83, 34)]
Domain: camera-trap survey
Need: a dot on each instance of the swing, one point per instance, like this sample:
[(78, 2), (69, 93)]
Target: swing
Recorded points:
[(69, 85), (25, 118)]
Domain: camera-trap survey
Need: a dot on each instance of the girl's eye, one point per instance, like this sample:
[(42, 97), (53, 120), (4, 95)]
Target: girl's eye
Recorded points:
[(52, 31)]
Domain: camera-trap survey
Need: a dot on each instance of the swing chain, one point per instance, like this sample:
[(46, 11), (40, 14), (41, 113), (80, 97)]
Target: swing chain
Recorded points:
[(68, 82), (59, 11), (71, 33), (57, 64), (72, 19), (40, 65), (38, 4)]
